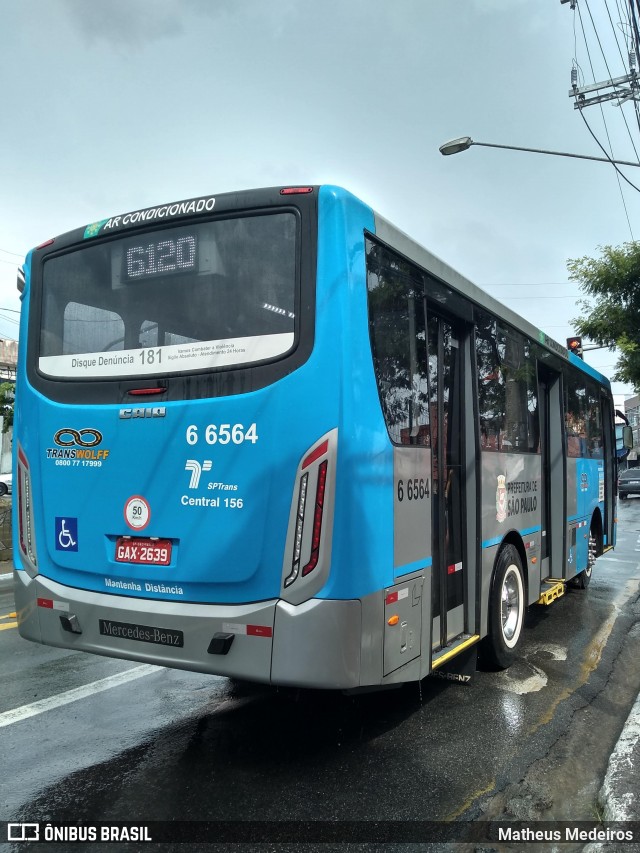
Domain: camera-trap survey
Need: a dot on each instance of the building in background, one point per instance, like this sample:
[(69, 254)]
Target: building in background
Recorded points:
[(8, 364)]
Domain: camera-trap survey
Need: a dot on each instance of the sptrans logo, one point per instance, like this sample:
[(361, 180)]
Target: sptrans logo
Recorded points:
[(196, 471)]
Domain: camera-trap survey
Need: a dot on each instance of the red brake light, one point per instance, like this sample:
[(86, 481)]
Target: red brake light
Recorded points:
[(317, 520), (320, 450), (295, 190)]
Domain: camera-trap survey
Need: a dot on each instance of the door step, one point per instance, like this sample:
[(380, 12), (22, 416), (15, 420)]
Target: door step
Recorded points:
[(458, 661), (552, 590)]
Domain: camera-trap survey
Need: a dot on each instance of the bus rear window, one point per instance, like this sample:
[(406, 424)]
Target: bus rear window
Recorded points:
[(197, 297)]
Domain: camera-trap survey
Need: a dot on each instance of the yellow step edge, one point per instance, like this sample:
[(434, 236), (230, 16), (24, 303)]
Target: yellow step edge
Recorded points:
[(455, 651), (555, 590)]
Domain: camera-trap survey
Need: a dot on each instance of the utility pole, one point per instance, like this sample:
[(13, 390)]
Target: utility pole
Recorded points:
[(626, 88), (622, 89)]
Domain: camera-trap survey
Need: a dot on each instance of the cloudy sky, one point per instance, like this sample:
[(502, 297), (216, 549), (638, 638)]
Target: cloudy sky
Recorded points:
[(114, 106)]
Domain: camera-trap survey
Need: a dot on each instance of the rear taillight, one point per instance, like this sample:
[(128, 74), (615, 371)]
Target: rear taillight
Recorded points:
[(307, 552), (317, 520), (26, 530)]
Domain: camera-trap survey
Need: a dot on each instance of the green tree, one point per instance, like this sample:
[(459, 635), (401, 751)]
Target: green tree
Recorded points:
[(7, 397), (611, 315)]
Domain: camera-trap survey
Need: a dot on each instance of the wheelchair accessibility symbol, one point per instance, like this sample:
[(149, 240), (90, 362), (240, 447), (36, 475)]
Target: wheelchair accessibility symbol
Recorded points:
[(66, 534)]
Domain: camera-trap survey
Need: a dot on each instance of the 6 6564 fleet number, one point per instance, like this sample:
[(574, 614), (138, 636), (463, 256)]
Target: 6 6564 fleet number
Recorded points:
[(222, 434), (413, 490)]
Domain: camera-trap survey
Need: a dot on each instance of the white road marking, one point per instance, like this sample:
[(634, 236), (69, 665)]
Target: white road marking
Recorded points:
[(42, 705)]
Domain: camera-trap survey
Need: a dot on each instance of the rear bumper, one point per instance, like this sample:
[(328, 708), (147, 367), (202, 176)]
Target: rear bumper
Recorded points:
[(316, 644)]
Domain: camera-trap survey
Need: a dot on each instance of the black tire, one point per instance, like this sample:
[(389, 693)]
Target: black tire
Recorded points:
[(506, 610), (583, 580), (3, 489), (623, 497)]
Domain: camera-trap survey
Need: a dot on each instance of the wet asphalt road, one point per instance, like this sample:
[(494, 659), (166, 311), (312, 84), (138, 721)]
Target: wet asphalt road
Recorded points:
[(531, 743)]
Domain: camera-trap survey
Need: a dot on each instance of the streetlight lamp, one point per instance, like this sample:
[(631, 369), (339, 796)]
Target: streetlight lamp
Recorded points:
[(454, 146)]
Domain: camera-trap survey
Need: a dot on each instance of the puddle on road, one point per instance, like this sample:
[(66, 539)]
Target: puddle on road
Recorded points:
[(535, 679)]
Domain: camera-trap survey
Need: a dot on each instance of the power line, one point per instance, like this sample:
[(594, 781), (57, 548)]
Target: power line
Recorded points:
[(519, 286), (579, 105), (568, 296)]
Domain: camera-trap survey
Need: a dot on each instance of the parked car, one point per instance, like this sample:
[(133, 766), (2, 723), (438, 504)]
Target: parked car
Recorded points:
[(5, 484), (629, 483)]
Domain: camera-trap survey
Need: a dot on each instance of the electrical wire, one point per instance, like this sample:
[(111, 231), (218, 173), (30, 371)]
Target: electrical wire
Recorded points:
[(610, 78), (569, 296), (608, 156), (631, 50), (619, 174)]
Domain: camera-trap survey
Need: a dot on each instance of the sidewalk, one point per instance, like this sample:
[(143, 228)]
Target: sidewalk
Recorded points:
[(620, 792), (619, 796)]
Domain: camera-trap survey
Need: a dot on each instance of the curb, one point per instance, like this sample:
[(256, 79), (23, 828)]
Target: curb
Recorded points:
[(618, 802)]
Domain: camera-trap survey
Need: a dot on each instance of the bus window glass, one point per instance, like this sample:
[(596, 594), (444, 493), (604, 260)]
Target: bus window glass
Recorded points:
[(491, 391), (507, 391), (214, 294), (398, 343), (595, 434), (86, 326), (575, 408)]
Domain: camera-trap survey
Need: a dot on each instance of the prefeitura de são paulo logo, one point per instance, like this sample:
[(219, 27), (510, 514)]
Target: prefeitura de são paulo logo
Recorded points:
[(501, 499)]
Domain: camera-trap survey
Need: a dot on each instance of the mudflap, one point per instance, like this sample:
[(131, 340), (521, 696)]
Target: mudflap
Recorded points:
[(460, 668)]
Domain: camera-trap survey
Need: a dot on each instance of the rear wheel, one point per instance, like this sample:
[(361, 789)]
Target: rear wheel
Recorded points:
[(583, 580), (506, 610)]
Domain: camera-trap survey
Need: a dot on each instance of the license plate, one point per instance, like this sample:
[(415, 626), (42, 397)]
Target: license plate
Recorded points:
[(150, 552)]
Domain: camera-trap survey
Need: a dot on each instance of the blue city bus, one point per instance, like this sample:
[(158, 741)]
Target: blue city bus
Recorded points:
[(266, 435)]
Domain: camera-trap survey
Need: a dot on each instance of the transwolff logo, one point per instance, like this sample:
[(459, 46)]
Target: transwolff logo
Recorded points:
[(196, 470)]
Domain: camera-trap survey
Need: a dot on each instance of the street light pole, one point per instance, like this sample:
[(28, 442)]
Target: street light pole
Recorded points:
[(454, 146)]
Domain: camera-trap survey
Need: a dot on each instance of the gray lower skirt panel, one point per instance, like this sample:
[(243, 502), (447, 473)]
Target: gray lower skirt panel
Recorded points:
[(315, 644), (150, 634), (327, 644)]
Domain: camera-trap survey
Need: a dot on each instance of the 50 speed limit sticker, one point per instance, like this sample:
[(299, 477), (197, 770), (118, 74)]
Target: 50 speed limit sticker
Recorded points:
[(137, 512)]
